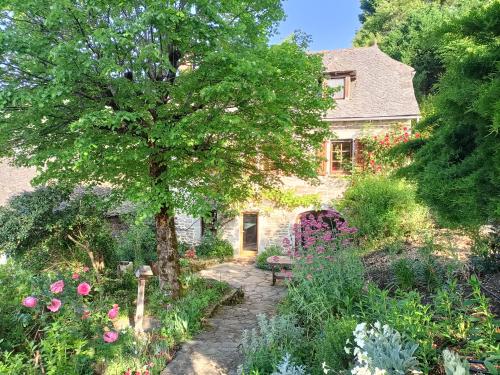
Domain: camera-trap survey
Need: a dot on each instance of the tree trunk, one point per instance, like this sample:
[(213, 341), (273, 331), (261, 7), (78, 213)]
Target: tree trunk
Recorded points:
[(168, 255)]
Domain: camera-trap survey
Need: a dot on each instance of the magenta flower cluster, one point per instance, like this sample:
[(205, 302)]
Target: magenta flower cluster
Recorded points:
[(317, 237)]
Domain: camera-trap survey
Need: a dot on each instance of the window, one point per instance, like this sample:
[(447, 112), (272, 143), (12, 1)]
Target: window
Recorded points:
[(341, 156), (339, 85)]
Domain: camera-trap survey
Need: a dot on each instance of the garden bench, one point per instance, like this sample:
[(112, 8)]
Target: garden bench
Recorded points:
[(277, 264)]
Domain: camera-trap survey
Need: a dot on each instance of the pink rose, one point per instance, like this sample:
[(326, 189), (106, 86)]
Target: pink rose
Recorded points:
[(75, 276), (113, 313), (83, 289), (85, 269), (110, 336), (55, 304), (30, 302), (57, 287)]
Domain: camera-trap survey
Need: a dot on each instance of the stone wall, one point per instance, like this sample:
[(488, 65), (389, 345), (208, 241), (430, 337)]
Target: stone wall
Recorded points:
[(188, 229), (277, 223)]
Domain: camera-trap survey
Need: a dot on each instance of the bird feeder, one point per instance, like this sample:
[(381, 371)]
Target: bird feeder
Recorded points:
[(143, 273)]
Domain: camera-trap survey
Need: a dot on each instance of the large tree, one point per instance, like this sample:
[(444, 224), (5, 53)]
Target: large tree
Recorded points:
[(404, 28), (178, 103), (458, 164)]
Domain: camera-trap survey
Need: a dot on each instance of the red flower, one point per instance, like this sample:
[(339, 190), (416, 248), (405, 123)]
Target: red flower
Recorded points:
[(417, 135)]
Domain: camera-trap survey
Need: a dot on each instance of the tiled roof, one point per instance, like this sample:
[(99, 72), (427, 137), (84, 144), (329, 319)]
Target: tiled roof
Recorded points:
[(382, 87)]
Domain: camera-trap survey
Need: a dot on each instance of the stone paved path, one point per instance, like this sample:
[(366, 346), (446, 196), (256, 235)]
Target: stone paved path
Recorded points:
[(215, 350)]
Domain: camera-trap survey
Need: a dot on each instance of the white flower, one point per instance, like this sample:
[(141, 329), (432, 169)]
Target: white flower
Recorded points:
[(347, 350), (66, 101), (379, 371), (108, 108), (44, 119), (361, 327), (7, 116), (326, 370), (377, 325)]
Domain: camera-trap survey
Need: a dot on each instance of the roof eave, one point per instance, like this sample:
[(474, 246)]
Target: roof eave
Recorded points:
[(373, 118)]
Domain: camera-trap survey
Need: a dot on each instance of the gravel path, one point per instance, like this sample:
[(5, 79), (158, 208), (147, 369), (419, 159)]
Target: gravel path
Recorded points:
[(215, 350)]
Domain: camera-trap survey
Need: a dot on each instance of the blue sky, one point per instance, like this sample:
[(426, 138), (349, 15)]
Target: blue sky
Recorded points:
[(331, 23)]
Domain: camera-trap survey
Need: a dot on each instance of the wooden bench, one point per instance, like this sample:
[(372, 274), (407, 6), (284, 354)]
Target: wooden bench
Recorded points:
[(278, 263)]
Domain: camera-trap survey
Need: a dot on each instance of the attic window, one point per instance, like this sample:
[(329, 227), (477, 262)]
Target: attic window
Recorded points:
[(339, 85)]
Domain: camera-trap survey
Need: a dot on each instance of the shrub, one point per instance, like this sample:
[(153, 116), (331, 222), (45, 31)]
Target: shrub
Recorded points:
[(383, 208), (48, 226), (261, 260), (330, 342), (212, 246), (264, 347), (138, 243)]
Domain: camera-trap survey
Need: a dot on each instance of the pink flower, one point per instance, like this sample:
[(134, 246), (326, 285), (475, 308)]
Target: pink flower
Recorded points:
[(113, 313), (30, 302), (86, 314), (75, 276), (110, 336), (55, 304), (85, 269), (57, 287), (83, 289)]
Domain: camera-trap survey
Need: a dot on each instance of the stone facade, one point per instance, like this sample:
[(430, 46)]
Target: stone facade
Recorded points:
[(188, 229), (274, 224)]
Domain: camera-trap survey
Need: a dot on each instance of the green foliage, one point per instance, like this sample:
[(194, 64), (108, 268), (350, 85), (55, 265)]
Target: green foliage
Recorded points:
[(458, 166), (330, 343), (384, 208), (261, 259), (404, 274), (451, 320), (289, 199), (48, 226), (212, 246), (324, 288), (265, 346), (106, 92), (405, 30), (138, 243), (486, 250), (68, 344)]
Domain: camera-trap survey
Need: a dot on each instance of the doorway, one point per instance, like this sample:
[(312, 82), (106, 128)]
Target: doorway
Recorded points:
[(250, 232)]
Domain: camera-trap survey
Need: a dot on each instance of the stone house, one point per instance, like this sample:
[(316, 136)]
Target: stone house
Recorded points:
[(373, 93)]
